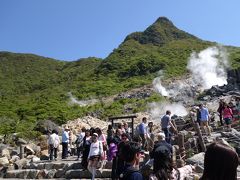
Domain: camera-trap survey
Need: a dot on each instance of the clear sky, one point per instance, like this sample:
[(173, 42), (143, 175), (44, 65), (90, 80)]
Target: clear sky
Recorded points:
[(69, 30)]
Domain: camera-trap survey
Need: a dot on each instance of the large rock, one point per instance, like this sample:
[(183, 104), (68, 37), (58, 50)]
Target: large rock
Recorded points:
[(45, 126), (21, 164), (196, 159), (35, 148), (4, 161), (14, 152), (28, 150), (51, 173), (1, 139), (3, 171), (42, 174), (14, 159), (21, 141), (44, 155), (79, 173), (23, 174), (2, 146), (5, 153), (60, 173), (35, 159)]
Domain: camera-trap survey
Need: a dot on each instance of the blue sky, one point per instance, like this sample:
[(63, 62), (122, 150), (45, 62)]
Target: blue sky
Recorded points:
[(69, 30)]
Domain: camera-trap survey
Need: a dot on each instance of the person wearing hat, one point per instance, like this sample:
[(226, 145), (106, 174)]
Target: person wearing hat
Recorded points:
[(65, 141), (94, 156)]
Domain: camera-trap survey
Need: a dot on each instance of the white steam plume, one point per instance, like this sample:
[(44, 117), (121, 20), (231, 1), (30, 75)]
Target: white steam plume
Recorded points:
[(157, 110), (73, 100), (208, 67), (159, 88)]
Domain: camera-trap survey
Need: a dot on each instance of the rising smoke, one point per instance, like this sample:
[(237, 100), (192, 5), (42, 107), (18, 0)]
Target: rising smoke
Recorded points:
[(208, 68), (74, 100), (157, 110), (159, 88)]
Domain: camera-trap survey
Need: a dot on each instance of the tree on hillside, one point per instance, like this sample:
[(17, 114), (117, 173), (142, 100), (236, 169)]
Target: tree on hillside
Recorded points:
[(8, 126)]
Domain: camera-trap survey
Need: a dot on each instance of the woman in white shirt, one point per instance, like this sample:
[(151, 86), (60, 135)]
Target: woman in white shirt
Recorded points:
[(94, 155)]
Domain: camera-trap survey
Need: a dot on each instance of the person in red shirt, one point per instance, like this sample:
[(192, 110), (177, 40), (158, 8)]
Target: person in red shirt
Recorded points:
[(227, 115)]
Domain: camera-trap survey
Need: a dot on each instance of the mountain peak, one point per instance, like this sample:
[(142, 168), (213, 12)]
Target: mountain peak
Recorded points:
[(164, 20), (160, 32)]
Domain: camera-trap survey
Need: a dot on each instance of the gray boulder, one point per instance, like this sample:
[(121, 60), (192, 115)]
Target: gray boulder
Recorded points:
[(21, 164), (42, 174), (28, 150), (51, 173), (5, 153), (196, 159), (45, 126), (23, 174), (20, 141), (4, 161), (14, 159)]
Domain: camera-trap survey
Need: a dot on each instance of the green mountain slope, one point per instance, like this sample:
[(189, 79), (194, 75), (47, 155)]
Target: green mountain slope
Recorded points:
[(34, 88)]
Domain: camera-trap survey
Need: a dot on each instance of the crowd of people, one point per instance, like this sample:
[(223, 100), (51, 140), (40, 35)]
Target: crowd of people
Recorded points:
[(126, 152)]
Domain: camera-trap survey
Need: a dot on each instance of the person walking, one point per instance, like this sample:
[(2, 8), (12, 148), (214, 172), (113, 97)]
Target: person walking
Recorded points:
[(204, 119), (166, 124), (220, 110), (143, 132), (65, 141), (86, 148), (227, 115), (54, 142), (94, 156)]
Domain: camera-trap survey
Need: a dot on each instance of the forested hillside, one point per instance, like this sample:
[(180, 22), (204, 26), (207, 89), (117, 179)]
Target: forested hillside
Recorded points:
[(35, 88)]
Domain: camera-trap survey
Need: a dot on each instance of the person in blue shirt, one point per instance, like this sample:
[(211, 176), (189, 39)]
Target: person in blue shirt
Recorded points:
[(143, 132), (204, 119), (166, 124)]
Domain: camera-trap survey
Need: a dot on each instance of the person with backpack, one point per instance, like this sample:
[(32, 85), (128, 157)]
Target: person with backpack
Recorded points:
[(86, 148), (79, 142), (132, 155)]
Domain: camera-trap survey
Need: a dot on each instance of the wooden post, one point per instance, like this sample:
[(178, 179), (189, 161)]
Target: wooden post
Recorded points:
[(181, 145), (198, 130), (22, 151), (174, 156), (201, 141)]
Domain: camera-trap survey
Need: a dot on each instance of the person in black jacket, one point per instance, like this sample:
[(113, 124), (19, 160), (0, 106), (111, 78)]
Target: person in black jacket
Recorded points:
[(161, 142), (131, 152)]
